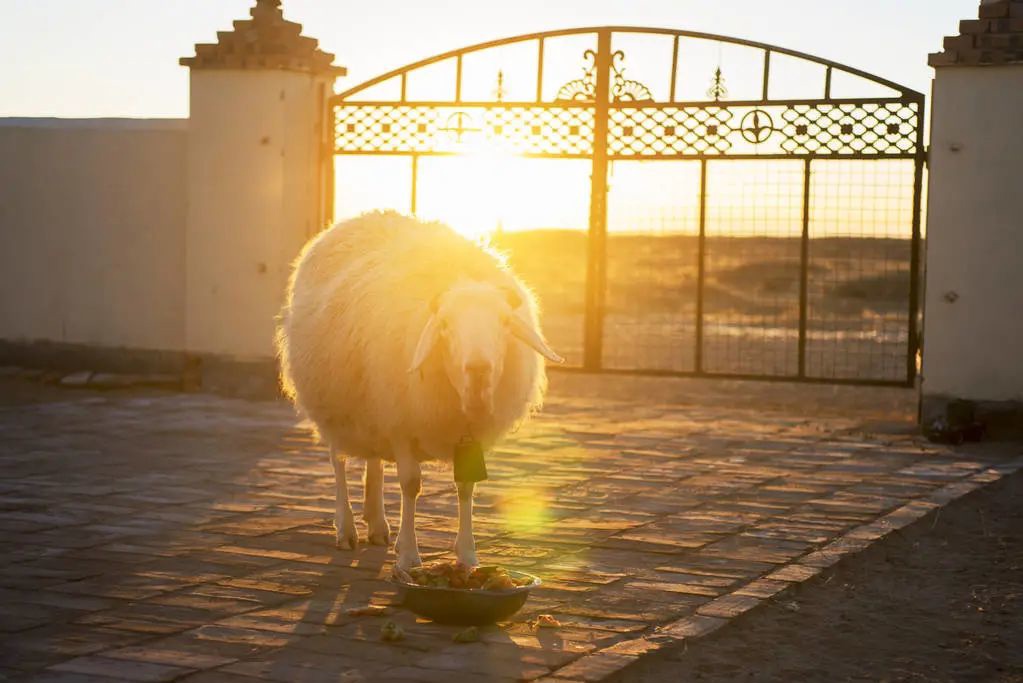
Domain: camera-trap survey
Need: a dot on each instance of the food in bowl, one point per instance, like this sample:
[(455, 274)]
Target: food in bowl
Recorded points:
[(458, 575)]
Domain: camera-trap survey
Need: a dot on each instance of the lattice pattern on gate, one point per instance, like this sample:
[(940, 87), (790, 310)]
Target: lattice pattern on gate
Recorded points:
[(886, 129), (532, 130), (818, 129)]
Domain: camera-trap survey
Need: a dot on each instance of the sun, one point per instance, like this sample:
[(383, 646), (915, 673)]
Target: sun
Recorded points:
[(486, 189)]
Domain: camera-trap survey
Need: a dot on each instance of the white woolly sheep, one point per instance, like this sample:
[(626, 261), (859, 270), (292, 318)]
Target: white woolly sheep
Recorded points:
[(398, 339)]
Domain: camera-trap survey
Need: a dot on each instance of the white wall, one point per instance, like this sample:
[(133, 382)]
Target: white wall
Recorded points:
[(253, 201), (973, 338), (92, 217)]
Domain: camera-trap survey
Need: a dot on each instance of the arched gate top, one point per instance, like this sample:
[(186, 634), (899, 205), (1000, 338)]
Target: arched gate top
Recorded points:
[(905, 93), (603, 111)]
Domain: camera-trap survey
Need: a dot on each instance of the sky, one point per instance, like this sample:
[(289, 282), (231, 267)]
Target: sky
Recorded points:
[(88, 58)]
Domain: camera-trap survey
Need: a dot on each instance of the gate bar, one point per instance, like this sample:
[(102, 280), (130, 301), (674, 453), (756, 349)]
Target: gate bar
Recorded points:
[(674, 70), (914, 267), (539, 70), (804, 269), (414, 199), (596, 270), (700, 264)]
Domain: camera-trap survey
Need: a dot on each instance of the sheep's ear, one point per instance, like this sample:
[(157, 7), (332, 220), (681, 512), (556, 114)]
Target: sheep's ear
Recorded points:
[(524, 331), (427, 340), (514, 298)]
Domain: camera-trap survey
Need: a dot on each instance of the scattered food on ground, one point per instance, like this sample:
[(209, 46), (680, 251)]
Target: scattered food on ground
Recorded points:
[(544, 621), (469, 635), (368, 611), (391, 632)]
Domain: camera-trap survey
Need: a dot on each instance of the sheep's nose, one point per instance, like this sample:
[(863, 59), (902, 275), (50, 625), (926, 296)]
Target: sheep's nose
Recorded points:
[(478, 370)]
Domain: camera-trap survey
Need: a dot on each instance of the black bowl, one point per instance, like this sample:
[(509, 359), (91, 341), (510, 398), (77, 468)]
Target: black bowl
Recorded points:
[(463, 606)]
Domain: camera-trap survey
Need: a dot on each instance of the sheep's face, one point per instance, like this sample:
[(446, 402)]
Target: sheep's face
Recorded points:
[(473, 321), (472, 324)]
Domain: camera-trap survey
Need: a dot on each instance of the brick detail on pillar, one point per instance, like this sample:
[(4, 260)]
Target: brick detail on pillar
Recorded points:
[(266, 41), (994, 38)]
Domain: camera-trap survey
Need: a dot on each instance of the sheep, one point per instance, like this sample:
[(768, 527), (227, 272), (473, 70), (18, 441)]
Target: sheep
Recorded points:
[(398, 339)]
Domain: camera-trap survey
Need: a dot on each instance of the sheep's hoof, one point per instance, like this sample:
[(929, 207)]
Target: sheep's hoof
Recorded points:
[(379, 532), (347, 543), (347, 539), (407, 561)]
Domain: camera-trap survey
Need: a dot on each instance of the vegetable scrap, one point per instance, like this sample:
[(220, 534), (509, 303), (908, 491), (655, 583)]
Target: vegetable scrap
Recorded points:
[(368, 611), (544, 621), (469, 635), (391, 632)]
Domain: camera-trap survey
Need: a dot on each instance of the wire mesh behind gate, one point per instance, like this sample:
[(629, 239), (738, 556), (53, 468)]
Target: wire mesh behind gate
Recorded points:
[(748, 230)]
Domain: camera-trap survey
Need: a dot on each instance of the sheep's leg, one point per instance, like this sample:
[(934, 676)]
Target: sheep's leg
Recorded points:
[(347, 537), (465, 543), (373, 504), (410, 478)]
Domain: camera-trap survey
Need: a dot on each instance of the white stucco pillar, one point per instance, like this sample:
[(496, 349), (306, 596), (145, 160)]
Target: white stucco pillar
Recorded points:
[(973, 324), (257, 127)]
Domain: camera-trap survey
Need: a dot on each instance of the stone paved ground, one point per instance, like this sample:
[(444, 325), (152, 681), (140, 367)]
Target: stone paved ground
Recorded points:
[(152, 536)]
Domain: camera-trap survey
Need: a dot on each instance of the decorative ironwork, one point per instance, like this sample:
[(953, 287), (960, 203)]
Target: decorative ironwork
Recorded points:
[(622, 89), (757, 126), (666, 131), (871, 128), (818, 129), (582, 89), (717, 90), (406, 129), (499, 90), (456, 124), (630, 125)]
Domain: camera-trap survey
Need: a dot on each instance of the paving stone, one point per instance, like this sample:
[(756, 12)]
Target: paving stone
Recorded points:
[(694, 626), (418, 674), (243, 636), (596, 667), (728, 606), (763, 588), (218, 676), (169, 656), (65, 677), (121, 669), (309, 668), (794, 572)]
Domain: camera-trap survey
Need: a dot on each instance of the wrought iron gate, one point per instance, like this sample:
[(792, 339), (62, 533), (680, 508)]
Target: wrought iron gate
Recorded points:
[(803, 218)]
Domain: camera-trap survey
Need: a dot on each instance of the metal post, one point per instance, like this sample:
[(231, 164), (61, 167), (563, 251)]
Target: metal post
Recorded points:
[(414, 199), (701, 252), (327, 161), (804, 268), (674, 70), (539, 70), (914, 261), (596, 269)]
